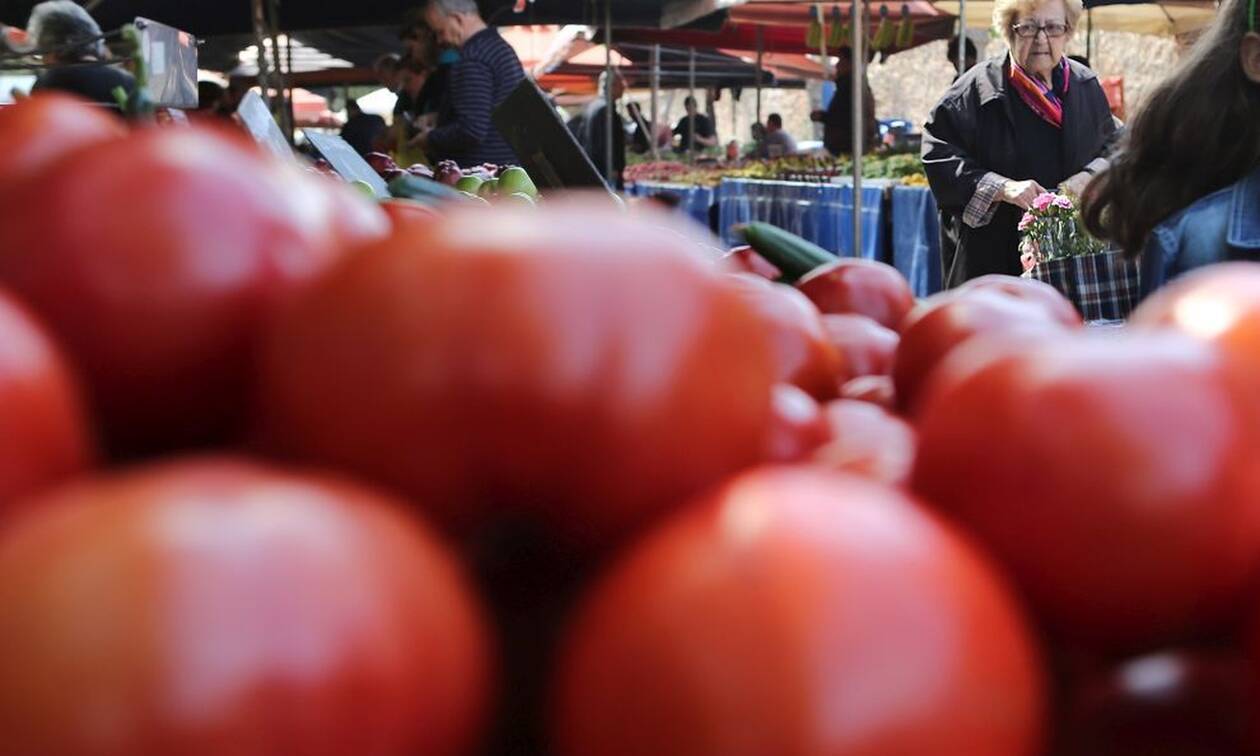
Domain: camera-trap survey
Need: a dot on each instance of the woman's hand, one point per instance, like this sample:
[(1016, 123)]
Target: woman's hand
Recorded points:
[(1021, 193)]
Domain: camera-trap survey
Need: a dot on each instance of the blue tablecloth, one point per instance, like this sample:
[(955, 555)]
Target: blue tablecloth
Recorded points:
[(695, 201), (916, 238), (821, 213)]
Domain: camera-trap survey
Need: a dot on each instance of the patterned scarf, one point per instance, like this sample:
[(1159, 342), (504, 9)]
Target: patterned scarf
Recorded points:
[(1042, 99)]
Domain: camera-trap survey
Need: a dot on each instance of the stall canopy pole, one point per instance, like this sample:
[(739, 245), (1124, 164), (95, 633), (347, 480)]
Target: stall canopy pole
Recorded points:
[(859, 76), (962, 35), (656, 94), (260, 39), (691, 117), (761, 52), (1089, 35), (609, 103), (273, 21)]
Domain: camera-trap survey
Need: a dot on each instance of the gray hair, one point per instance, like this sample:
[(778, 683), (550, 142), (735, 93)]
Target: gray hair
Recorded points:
[(451, 7), (64, 28)]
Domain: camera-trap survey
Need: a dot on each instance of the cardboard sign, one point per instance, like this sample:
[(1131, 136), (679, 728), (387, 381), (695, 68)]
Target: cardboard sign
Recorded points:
[(171, 56), (543, 144), (348, 164), (262, 125)]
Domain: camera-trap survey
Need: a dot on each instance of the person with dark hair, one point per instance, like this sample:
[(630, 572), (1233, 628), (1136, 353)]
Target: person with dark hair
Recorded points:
[(365, 132), (697, 124), (1010, 129), (777, 141), (487, 72), (594, 135), (970, 56), (209, 97), (1183, 191), (71, 43), (837, 119)]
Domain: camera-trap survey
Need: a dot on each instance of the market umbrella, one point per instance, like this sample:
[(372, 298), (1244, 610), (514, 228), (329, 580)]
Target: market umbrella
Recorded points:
[(1166, 18)]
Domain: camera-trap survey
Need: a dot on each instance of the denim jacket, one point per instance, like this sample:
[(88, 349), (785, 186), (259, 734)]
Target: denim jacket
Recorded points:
[(1219, 227)]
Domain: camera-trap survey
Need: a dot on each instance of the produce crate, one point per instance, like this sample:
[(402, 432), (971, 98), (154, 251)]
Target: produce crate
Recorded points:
[(1103, 286)]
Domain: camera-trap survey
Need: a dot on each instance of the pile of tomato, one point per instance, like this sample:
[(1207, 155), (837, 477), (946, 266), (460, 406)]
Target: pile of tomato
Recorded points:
[(284, 472)]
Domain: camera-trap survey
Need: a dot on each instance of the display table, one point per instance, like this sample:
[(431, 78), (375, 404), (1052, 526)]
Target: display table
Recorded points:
[(821, 213), (693, 200)]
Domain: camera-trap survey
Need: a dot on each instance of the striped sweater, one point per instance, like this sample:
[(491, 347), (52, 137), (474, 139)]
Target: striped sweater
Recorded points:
[(487, 72)]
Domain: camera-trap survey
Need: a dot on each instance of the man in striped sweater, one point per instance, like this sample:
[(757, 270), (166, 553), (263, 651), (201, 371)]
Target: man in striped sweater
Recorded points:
[(487, 72)]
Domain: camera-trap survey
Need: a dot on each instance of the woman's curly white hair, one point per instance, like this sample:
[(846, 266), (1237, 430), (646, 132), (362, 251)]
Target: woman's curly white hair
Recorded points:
[(63, 27)]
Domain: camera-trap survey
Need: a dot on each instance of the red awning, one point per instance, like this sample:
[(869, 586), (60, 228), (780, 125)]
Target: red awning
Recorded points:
[(784, 27)]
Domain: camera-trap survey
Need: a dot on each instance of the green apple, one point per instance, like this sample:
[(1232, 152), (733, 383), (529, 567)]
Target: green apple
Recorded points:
[(516, 179), (470, 184), (489, 188)]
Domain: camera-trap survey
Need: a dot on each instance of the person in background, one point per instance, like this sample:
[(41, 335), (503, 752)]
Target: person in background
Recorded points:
[(72, 44), (1183, 191), (487, 72), (705, 133), (1008, 130), (388, 71), (365, 132), (594, 131), (777, 142), (970, 57), (837, 119), (640, 140), (238, 87), (209, 98)]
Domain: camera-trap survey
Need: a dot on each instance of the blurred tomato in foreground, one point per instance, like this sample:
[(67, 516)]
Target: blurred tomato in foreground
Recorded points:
[(569, 363), (216, 606), (155, 260), (799, 426), (37, 130), (866, 440), (948, 320), (1113, 475), (44, 434), (860, 287), (1031, 290), (865, 347), (802, 348), (795, 613), (1172, 703), (746, 260), (1220, 305)]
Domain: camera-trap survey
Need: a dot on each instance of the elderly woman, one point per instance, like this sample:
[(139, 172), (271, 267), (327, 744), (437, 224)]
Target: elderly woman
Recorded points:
[(1009, 129)]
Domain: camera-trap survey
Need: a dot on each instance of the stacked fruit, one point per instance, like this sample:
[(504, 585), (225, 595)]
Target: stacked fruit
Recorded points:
[(280, 477)]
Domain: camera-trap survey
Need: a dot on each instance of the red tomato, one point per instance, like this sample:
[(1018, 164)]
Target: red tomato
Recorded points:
[(866, 440), (1113, 475), (402, 211), (1032, 290), (1220, 305), (745, 260), (875, 389), (155, 259), (860, 287), (865, 347), (1173, 703), (799, 425), (566, 362), (43, 432), (804, 352), (799, 612), (947, 320), (38, 130), (216, 606)]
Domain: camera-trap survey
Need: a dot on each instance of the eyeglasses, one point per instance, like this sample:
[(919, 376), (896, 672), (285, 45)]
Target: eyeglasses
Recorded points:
[(1028, 30)]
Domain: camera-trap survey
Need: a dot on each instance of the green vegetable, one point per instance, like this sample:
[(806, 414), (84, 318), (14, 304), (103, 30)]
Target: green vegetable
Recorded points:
[(423, 190), (791, 254)]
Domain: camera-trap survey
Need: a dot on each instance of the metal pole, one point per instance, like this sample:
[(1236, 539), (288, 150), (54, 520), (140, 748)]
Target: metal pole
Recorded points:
[(286, 123), (260, 39), (962, 35), (859, 77), (292, 110), (761, 52), (691, 118), (609, 102), (1089, 35), (656, 93)]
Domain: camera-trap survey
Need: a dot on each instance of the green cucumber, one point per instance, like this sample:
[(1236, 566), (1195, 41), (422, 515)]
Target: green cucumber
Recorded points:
[(412, 187), (792, 255)]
